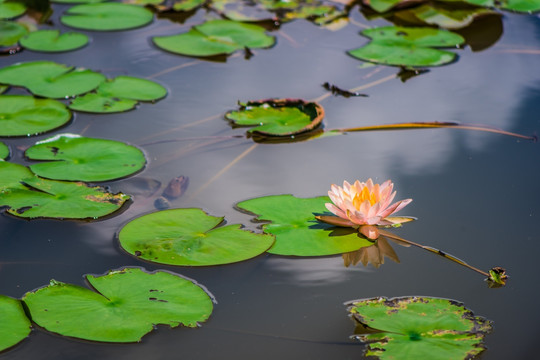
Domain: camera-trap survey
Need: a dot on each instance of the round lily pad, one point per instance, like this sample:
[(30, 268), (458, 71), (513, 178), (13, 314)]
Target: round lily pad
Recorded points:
[(26, 115), (125, 306), (190, 237), (4, 151), (98, 103), (107, 16), (50, 79), (278, 117), (216, 37), (73, 157), (419, 328), (408, 46), (53, 41), (128, 87), (9, 10), (292, 221), (11, 32), (15, 325), (28, 196)]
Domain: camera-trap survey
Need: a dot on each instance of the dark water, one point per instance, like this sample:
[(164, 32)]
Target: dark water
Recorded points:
[(476, 194)]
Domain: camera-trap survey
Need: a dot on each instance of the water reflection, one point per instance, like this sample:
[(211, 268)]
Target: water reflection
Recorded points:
[(373, 254)]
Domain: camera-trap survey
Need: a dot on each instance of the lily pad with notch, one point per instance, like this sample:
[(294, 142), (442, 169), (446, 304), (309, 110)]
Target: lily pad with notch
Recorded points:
[(408, 46), (25, 115), (106, 16), (418, 328), (123, 306), (216, 37), (4, 151), (28, 196), (15, 326), (278, 117), (50, 79), (298, 233), (190, 237), (53, 41), (74, 157)]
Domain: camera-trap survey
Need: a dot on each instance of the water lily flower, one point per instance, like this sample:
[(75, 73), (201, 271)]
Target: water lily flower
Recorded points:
[(364, 205)]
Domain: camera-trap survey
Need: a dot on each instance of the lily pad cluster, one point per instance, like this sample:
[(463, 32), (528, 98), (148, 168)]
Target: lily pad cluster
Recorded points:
[(216, 37), (418, 328), (131, 300)]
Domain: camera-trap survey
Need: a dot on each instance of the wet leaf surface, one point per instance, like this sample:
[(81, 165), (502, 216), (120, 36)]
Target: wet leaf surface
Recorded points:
[(15, 326), (276, 117), (403, 46), (50, 79), (26, 115), (53, 41), (419, 328), (292, 221), (216, 37), (74, 157), (128, 87), (106, 16), (190, 237), (28, 196), (98, 103), (125, 305)]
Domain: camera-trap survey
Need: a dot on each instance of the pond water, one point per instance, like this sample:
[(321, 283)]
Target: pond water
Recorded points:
[(476, 195)]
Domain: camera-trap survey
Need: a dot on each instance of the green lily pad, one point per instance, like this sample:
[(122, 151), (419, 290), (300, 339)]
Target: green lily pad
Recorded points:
[(15, 326), (107, 16), (9, 10), (525, 6), (4, 151), (97, 103), (190, 237), (419, 328), (29, 196), (77, 1), (52, 41), (11, 32), (278, 117), (73, 157), (216, 37), (3, 88), (187, 5), (125, 306), (128, 87), (381, 6), (50, 79), (26, 115), (292, 221), (408, 46)]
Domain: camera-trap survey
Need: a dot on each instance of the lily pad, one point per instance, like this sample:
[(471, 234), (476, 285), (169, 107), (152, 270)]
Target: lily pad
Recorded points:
[(4, 151), (216, 37), (50, 79), (128, 87), (97, 103), (419, 328), (26, 115), (381, 6), (408, 46), (11, 32), (525, 6), (9, 10), (73, 157), (190, 237), (292, 221), (125, 306), (53, 41), (187, 5), (28, 196), (77, 1), (107, 16), (278, 117), (15, 326)]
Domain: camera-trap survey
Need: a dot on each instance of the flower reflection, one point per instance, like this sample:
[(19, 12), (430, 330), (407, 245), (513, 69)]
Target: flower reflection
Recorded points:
[(373, 254)]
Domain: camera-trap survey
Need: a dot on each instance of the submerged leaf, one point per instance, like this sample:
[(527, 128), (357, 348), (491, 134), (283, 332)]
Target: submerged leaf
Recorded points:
[(15, 325), (278, 117), (53, 41), (26, 115), (292, 221), (419, 328), (125, 306), (73, 157), (28, 196), (190, 237), (106, 16), (50, 79), (408, 46)]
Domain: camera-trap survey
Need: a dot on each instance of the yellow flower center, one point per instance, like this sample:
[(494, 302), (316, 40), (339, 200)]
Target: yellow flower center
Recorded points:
[(364, 195)]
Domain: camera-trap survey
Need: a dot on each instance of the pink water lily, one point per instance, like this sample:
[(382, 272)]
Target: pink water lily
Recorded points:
[(363, 204)]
